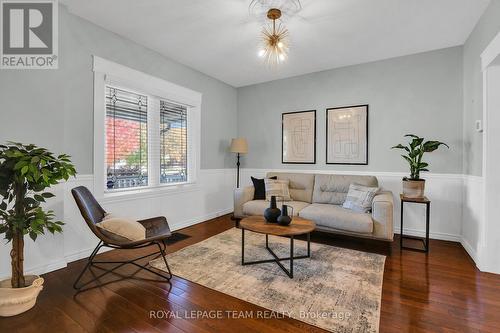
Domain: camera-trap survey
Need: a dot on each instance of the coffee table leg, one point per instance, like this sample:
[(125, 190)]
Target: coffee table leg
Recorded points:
[(291, 258), (276, 259), (242, 246), (309, 244)]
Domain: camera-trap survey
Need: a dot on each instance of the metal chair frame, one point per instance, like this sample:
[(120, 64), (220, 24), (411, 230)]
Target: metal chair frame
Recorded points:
[(92, 263), (93, 213)]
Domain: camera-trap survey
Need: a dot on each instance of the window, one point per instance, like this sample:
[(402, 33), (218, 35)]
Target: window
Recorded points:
[(173, 142), (126, 139), (146, 132)]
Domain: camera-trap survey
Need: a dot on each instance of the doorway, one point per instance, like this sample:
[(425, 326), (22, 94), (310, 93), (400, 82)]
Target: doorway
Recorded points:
[(489, 248)]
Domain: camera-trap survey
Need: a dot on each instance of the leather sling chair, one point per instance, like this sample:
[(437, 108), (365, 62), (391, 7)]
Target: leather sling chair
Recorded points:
[(157, 231)]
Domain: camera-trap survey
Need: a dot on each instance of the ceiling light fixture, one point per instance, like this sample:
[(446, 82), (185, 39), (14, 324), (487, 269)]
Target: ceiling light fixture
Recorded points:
[(274, 39)]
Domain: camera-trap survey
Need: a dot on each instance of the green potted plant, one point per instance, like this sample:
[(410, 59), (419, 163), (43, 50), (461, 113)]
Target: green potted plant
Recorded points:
[(26, 171), (414, 187)]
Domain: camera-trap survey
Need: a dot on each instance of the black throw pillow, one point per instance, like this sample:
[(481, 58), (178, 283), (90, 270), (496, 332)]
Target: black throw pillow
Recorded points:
[(260, 188)]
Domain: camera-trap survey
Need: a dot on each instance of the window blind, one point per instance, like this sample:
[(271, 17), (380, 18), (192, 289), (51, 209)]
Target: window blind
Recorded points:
[(126, 139), (173, 142)]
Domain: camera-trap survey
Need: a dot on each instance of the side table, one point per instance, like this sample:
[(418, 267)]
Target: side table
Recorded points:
[(425, 240)]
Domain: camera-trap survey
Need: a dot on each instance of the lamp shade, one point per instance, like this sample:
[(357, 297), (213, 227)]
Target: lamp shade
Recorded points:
[(239, 145)]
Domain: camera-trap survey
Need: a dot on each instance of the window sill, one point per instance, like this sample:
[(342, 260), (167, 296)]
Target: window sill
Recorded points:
[(147, 192)]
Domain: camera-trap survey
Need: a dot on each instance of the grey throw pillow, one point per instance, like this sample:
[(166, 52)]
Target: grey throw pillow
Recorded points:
[(359, 198)]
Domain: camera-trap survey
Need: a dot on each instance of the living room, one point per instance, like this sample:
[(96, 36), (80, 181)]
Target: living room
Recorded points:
[(209, 140)]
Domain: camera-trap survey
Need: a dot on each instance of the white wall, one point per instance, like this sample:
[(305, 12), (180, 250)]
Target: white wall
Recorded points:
[(472, 214), (489, 246), (479, 239), (484, 31), (419, 94), (457, 211), (209, 198), (54, 109)]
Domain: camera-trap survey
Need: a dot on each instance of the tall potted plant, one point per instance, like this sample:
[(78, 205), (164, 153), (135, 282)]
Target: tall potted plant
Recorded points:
[(414, 187), (26, 171)]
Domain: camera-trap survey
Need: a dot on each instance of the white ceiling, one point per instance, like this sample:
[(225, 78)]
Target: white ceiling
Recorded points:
[(220, 38)]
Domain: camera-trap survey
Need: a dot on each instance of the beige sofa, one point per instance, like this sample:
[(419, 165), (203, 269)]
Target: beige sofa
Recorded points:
[(319, 197)]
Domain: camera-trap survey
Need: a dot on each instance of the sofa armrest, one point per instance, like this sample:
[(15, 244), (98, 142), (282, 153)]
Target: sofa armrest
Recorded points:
[(242, 195), (383, 215)]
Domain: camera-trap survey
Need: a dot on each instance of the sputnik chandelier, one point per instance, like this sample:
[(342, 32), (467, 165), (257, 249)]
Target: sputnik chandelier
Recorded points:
[(274, 40), (274, 36)]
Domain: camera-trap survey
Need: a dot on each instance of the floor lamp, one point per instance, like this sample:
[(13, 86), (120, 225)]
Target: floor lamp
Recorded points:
[(238, 146)]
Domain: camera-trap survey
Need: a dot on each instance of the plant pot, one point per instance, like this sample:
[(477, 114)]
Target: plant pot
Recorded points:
[(414, 188), (14, 301)]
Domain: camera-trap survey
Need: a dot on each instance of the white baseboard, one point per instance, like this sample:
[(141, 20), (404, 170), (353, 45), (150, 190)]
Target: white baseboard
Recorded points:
[(470, 250), (85, 253), (201, 219), (48, 267), (432, 235)]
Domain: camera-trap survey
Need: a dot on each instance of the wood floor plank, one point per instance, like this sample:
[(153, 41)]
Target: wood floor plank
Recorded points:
[(439, 292)]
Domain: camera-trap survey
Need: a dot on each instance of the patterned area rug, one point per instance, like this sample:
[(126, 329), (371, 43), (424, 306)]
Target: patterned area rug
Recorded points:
[(336, 289)]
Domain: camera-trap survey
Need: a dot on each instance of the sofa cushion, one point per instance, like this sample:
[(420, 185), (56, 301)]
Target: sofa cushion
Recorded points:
[(277, 188), (301, 184), (257, 207), (332, 189), (334, 216), (359, 198)]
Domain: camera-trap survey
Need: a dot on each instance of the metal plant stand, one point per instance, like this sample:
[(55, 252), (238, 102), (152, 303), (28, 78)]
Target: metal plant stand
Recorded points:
[(425, 240)]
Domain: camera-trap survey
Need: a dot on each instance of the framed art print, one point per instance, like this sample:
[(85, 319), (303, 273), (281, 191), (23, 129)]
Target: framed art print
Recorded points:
[(298, 137), (347, 135)]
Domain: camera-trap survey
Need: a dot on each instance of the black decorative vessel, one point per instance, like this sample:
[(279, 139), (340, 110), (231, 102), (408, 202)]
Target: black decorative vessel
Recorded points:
[(271, 214), (284, 218)]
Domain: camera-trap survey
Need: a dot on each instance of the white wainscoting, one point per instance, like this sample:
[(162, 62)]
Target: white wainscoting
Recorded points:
[(456, 212), (473, 215), (444, 190), (212, 196)]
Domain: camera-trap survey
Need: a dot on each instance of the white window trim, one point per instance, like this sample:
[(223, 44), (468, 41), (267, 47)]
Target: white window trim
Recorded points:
[(109, 72)]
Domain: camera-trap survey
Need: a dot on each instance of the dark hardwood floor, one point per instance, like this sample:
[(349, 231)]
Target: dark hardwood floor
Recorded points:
[(438, 292)]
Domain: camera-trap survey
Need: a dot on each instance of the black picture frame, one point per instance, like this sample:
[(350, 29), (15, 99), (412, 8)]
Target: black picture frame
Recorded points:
[(283, 115), (367, 108)]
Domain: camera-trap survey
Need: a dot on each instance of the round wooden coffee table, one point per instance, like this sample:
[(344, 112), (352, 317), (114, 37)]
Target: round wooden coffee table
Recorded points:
[(299, 226)]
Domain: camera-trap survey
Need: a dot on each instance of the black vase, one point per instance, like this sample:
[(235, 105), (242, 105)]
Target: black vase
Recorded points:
[(284, 218), (271, 214)]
